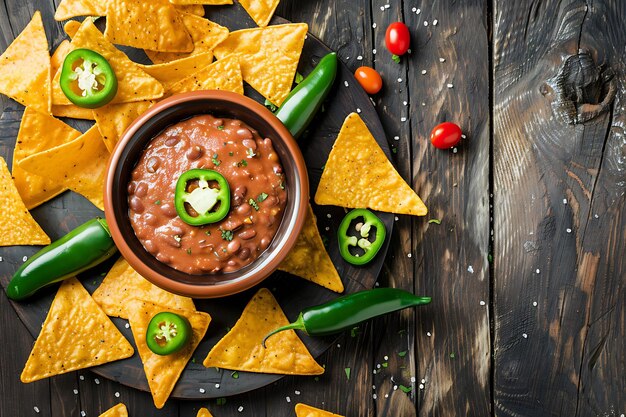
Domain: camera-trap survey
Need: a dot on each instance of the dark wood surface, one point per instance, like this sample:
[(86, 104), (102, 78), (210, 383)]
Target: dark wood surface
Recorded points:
[(483, 347)]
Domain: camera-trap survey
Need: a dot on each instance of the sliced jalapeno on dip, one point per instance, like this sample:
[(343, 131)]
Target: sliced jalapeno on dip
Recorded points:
[(87, 79), (361, 240), (167, 333), (193, 192)]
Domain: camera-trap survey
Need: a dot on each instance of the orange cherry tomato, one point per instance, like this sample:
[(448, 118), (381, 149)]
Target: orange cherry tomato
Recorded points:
[(369, 79), (445, 135)]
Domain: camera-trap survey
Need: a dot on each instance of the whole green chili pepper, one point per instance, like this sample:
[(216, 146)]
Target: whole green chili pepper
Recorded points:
[(347, 311), (82, 248), (302, 103)]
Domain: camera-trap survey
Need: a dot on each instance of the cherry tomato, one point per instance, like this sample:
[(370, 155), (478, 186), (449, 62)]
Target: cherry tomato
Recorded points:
[(369, 79), (445, 135), (397, 38)]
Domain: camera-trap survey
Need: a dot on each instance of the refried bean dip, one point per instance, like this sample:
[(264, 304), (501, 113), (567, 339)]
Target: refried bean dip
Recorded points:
[(257, 186)]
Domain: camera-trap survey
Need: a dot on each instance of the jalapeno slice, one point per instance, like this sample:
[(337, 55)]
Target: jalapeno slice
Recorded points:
[(362, 237), (196, 202), (168, 333), (87, 79)]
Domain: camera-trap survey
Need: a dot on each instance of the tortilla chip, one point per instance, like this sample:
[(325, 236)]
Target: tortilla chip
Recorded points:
[(35, 189), (221, 75), (57, 58), (76, 335), (25, 67), (113, 119), (133, 83), (174, 71), (206, 35), (308, 258), (261, 11), (17, 226), (79, 165), (72, 111), (203, 412), (123, 284), (154, 25), (196, 9), (207, 2), (358, 174), (303, 410), (117, 411), (241, 348), (163, 372), (71, 27), (269, 57), (73, 8)]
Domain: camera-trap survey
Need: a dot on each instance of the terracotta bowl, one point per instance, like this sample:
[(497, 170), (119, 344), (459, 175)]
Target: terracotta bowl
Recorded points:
[(130, 148)]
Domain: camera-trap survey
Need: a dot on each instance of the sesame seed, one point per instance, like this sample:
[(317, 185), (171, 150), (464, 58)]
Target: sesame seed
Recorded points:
[(36, 409), (470, 269), (117, 394), (387, 6), (75, 391), (463, 136), (565, 201), (412, 379), (396, 138), (396, 218), (346, 84), (382, 8), (568, 230), (81, 377), (378, 366), (442, 60), (202, 390), (454, 150), (435, 22), (83, 414), (409, 255), (421, 386), (425, 22), (423, 104), (534, 304), (414, 9), (97, 381), (240, 409), (428, 334), (423, 381), (537, 271), (449, 85), (373, 386), (423, 72), (595, 215), (524, 335), (403, 119), (127, 325), (395, 387), (405, 103), (329, 215), (418, 11), (374, 51), (374, 25), (386, 357), (374, 371), (482, 303), (338, 345), (217, 386), (386, 395), (25, 258), (296, 392), (288, 399), (359, 58), (399, 80), (327, 228), (358, 110), (0, 258)]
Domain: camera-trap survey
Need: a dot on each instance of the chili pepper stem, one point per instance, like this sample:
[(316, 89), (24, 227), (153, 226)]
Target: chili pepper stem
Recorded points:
[(296, 325)]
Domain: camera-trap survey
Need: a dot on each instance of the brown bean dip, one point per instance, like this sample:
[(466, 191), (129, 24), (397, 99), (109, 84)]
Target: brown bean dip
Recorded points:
[(257, 186)]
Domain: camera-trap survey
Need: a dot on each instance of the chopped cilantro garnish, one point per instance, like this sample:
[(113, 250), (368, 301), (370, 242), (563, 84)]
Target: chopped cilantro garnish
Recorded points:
[(221, 401), (193, 360), (354, 332), (325, 241), (227, 234), (158, 202), (436, 221), (189, 251), (317, 378), (251, 152), (394, 150), (401, 331), (242, 163), (395, 58), (490, 258), (208, 233), (253, 204), (220, 127), (262, 197), (216, 161), (235, 375), (347, 371), (406, 390), (230, 153), (299, 78), (270, 106), (385, 364), (282, 185), (402, 354), (452, 355)]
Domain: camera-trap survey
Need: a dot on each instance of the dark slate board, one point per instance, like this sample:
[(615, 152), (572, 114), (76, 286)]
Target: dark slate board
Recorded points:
[(69, 210)]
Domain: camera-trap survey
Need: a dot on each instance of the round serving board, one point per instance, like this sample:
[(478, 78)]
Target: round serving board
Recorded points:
[(67, 211)]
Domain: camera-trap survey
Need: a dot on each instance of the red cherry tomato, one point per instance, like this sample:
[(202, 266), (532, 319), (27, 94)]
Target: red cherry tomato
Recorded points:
[(369, 79), (445, 135), (397, 38)]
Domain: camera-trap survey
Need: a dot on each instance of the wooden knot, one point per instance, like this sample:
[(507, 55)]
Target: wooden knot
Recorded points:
[(581, 90)]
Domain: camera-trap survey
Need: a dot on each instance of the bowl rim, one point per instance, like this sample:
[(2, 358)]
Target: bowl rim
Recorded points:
[(234, 285)]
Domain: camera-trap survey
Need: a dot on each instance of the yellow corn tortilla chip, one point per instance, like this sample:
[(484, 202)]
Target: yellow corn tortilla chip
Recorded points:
[(76, 335), (163, 372), (25, 67), (154, 25), (38, 132), (206, 35), (71, 27), (113, 119), (57, 58), (133, 83), (241, 348), (196, 9), (308, 258), (171, 72), (269, 57), (73, 8), (117, 411), (123, 284), (261, 11), (221, 75), (203, 412), (358, 174), (303, 410), (79, 165), (17, 226), (207, 2)]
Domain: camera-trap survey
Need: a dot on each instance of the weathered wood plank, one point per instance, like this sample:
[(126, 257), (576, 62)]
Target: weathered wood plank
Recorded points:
[(559, 208), (453, 333)]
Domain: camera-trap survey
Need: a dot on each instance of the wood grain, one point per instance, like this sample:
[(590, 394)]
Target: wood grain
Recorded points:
[(558, 218)]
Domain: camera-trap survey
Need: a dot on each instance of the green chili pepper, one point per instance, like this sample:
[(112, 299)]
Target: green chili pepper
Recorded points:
[(361, 240), (346, 312), (203, 199), (302, 103), (87, 79), (82, 248), (167, 333)]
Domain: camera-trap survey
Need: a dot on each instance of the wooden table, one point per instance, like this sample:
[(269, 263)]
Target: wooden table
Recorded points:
[(527, 268)]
